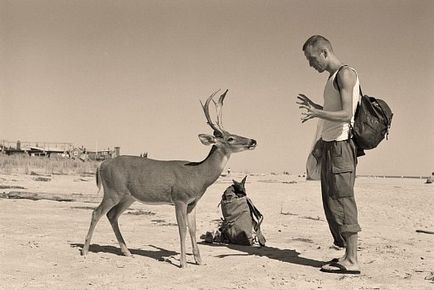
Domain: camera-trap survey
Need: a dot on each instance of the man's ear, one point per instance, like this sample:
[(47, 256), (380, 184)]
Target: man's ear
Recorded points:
[(207, 139)]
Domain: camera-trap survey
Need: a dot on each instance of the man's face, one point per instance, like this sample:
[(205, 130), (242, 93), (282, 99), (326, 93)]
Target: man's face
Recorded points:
[(316, 58)]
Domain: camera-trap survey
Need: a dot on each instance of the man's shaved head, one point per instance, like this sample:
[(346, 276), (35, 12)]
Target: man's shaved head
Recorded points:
[(318, 41)]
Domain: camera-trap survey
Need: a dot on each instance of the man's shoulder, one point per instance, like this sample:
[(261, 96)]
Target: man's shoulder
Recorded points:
[(346, 75), (346, 70)]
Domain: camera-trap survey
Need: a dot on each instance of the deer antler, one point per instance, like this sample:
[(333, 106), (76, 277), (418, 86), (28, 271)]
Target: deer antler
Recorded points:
[(218, 106), (219, 110)]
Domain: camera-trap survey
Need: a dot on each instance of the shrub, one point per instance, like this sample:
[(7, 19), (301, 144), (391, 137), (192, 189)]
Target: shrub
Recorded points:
[(24, 164)]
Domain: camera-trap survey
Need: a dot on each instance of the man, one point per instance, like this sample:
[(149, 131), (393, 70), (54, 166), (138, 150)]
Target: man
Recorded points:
[(335, 151)]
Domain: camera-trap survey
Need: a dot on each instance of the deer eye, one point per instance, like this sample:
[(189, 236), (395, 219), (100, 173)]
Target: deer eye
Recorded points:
[(231, 139)]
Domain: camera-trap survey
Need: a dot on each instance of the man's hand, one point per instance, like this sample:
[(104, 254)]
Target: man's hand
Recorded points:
[(303, 100), (311, 108), (310, 113)]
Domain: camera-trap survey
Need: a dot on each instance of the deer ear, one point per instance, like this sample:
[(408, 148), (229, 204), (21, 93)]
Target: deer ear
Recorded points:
[(244, 180), (207, 139)]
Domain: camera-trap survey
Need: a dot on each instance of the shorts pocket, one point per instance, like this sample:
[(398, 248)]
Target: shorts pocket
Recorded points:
[(343, 177), (340, 165)]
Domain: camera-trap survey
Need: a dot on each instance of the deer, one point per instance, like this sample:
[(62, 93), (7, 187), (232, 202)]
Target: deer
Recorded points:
[(126, 179)]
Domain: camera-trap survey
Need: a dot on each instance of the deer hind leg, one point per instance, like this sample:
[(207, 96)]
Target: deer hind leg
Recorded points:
[(105, 205), (113, 216), (191, 219), (181, 217)]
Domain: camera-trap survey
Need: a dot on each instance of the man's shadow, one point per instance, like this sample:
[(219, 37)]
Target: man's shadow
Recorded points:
[(159, 254), (284, 255)]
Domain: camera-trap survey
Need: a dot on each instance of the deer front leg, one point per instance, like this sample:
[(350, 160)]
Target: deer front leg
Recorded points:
[(191, 219), (181, 217)]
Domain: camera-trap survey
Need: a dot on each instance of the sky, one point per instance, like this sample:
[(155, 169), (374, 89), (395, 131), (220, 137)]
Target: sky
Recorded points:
[(131, 74)]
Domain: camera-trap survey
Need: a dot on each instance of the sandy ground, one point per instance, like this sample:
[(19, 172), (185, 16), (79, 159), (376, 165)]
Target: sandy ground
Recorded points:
[(40, 241)]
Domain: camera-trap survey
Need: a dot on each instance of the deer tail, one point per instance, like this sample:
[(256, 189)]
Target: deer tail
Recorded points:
[(98, 178)]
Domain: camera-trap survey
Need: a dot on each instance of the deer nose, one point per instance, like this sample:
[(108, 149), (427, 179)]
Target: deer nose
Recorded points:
[(252, 144)]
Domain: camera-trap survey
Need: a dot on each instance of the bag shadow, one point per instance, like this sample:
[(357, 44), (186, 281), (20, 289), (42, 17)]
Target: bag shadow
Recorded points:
[(283, 255)]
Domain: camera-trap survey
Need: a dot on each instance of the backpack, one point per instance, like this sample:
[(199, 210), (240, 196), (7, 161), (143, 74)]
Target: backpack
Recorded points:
[(241, 219), (372, 121)]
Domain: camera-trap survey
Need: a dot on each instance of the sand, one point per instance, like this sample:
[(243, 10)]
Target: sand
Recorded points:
[(40, 241)]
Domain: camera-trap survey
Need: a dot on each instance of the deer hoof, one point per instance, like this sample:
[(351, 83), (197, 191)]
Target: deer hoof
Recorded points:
[(127, 253), (183, 265), (198, 260)]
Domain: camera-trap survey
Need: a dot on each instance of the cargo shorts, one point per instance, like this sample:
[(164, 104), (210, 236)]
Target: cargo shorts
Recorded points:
[(338, 171)]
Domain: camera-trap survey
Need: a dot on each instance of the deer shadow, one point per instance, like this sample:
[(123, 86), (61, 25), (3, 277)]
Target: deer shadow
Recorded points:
[(283, 255), (164, 255), (159, 254)]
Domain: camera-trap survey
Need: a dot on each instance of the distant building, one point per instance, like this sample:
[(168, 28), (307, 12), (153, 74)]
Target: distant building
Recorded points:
[(56, 149)]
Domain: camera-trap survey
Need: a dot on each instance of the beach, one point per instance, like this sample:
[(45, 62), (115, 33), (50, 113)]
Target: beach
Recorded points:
[(41, 239)]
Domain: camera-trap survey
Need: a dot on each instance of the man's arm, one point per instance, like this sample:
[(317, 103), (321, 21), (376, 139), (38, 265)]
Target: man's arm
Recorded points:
[(346, 79)]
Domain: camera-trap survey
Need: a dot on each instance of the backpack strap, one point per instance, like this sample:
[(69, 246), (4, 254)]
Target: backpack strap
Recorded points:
[(350, 131), (257, 221), (256, 214), (337, 83), (336, 77)]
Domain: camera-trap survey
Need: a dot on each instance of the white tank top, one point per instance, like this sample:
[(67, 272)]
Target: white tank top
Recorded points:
[(335, 130)]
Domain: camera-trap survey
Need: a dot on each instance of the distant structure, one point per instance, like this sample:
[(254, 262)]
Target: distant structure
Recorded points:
[(430, 179), (56, 149), (49, 149)]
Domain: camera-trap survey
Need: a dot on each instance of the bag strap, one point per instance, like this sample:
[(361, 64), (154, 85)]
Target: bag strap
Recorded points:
[(350, 131), (337, 83), (336, 77), (385, 117), (254, 211)]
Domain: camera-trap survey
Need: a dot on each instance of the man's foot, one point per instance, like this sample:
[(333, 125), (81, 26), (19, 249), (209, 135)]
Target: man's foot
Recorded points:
[(337, 247), (340, 268), (336, 260)]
